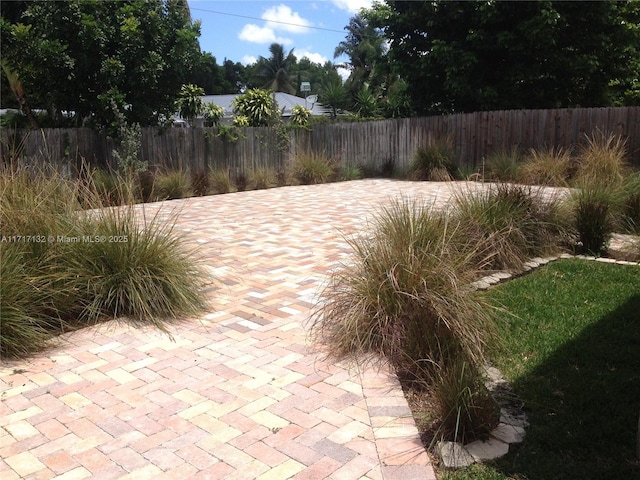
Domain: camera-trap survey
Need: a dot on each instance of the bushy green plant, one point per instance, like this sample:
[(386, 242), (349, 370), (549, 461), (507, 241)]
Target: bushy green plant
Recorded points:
[(76, 266), (240, 121), (172, 184), (300, 116), (402, 297), (552, 166), (433, 161), (129, 137), (311, 168), (504, 165), (213, 114), (109, 185), (146, 181), (508, 224), (221, 180), (190, 103), (349, 172), (258, 106)]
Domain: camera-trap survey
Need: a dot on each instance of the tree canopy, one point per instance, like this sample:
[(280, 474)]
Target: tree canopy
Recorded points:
[(461, 56), (82, 56)]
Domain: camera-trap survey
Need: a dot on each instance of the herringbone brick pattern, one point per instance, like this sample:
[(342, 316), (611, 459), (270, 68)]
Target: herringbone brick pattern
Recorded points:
[(239, 393)]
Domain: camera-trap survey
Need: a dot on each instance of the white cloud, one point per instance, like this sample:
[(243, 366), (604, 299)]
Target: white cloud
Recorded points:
[(248, 60), (352, 6), (314, 57), (255, 34), (281, 17), (343, 72)]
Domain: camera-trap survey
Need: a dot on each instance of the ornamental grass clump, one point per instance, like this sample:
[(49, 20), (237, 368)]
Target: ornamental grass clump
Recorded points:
[(172, 184), (67, 262), (513, 223), (433, 161), (551, 167), (403, 301), (504, 165), (312, 168)]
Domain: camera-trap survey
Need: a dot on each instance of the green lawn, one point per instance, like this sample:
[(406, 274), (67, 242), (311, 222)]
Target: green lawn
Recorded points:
[(572, 354)]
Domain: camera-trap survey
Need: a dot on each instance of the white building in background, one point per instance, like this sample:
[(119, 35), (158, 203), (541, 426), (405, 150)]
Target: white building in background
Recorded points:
[(284, 101)]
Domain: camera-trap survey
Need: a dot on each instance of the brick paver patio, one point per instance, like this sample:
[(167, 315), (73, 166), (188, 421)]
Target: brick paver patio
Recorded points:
[(239, 393)]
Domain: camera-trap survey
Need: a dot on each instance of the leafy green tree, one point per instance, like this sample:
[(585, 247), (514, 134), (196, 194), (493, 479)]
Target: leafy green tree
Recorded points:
[(81, 55), (190, 103), (461, 56)]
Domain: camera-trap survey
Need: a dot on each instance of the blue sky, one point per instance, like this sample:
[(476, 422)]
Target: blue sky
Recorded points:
[(243, 30)]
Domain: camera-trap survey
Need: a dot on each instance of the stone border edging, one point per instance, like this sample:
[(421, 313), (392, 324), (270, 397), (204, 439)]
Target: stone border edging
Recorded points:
[(513, 420)]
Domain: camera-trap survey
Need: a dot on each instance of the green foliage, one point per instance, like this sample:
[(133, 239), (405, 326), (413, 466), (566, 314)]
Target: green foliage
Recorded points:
[(334, 96), (594, 218), (213, 114), (509, 224), (474, 56), (83, 54), (81, 267), (401, 301), (433, 161), (312, 168), (629, 215), (189, 103), (130, 139), (602, 159), (300, 116), (366, 103), (172, 184), (349, 172), (273, 72), (504, 165), (569, 350), (238, 121), (258, 106)]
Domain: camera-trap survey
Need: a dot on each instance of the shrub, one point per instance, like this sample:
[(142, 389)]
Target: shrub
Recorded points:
[(172, 184), (241, 180), (504, 165), (263, 177), (401, 293), (146, 180), (402, 300), (257, 106), (110, 187), (594, 221), (312, 168), (629, 205), (433, 161), (300, 116), (221, 180), (348, 172), (602, 160), (547, 167), (84, 265), (200, 182), (508, 224)]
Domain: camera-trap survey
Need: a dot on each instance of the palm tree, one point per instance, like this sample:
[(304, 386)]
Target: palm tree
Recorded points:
[(274, 71), (364, 45)]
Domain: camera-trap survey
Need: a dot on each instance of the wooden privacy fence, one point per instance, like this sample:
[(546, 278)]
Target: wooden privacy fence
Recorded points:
[(374, 143)]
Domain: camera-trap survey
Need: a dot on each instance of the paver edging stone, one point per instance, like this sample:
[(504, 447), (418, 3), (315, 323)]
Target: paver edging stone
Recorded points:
[(513, 420)]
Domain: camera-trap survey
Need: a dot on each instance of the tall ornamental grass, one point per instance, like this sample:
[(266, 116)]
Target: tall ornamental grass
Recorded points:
[(512, 222), (68, 262), (403, 301)]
